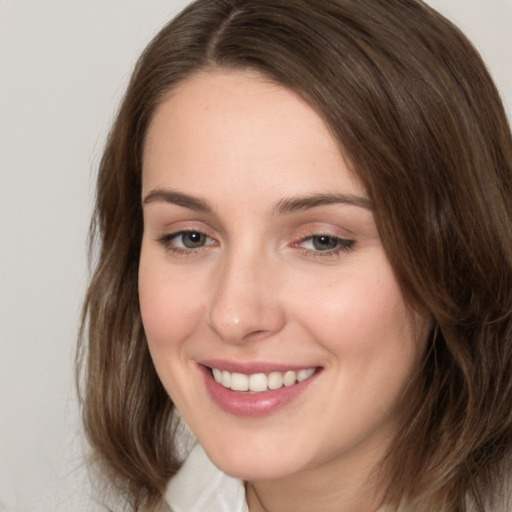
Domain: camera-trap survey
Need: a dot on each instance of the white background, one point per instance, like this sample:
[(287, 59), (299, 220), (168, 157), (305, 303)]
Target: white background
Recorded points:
[(63, 67)]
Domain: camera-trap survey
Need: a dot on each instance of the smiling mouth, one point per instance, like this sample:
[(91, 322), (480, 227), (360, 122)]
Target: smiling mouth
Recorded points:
[(260, 382)]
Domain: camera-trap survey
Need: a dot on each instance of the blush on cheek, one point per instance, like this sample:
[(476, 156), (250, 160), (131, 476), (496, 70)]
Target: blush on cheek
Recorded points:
[(167, 316), (156, 311), (363, 322), (162, 325)]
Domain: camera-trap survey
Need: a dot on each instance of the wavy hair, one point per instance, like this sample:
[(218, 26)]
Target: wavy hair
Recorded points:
[(411, 104)]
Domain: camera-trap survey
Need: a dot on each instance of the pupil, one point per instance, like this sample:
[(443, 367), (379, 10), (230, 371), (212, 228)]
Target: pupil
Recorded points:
[(193, 239), (324, 243)]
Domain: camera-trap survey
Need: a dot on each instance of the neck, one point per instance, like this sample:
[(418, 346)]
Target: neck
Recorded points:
[(305, 492)]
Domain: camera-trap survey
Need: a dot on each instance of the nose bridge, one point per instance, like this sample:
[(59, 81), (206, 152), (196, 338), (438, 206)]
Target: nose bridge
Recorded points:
[(245, 301)]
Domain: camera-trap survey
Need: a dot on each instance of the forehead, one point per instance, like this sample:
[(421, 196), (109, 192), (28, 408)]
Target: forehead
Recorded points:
[(237, 125)]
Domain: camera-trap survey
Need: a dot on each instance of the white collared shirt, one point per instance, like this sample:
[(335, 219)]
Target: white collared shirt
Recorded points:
[(199, 486)]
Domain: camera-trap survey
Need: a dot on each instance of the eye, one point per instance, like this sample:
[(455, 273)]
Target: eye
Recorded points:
[(184, 241), (328, 244), (190, 239), (323, 242)]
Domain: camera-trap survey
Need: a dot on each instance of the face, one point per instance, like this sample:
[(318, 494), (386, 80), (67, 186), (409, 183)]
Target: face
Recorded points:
[(272, 314)]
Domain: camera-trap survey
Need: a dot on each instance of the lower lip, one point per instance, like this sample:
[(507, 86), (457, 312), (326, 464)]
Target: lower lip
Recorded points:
[(252, 404)]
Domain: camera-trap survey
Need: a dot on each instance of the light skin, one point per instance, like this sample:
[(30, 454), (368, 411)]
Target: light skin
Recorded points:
[(260, 246)]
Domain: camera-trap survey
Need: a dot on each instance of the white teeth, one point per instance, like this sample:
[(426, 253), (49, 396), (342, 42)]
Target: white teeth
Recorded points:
[(289, 378), (305, 374), (275, 380), (226, 379), (239, 382), (260, 382)]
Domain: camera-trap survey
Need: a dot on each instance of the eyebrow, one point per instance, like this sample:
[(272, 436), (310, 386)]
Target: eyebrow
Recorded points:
[(295, 204), (177, 198), (284, 206)]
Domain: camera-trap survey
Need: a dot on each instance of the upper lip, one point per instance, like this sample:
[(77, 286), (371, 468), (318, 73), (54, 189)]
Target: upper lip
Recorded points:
[(252, 367)]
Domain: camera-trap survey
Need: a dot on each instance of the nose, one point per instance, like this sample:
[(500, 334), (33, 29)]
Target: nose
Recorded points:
[(245, 303)]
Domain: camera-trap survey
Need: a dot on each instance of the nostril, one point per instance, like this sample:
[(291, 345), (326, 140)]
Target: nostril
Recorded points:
[(255, 335)]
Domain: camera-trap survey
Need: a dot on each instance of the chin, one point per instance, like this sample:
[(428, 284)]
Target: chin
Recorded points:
[(253, 470), (254, 464)]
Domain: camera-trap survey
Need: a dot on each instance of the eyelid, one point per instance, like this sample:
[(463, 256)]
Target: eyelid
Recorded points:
[(309, 232), (167, 240), (343, 244)]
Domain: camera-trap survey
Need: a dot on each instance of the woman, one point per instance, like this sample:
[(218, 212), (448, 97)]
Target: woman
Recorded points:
[(304, 216)]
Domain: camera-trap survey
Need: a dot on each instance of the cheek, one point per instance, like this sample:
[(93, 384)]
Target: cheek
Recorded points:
[(362, 319), (170, 309)]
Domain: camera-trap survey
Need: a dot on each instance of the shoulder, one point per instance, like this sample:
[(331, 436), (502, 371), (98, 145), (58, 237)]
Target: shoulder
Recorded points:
[(199, 486)]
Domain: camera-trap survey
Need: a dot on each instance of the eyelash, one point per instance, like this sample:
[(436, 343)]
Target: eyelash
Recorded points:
[(342, 244), (168, 242)]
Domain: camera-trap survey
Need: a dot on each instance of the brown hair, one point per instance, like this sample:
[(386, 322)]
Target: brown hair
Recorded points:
[(413, 107)]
